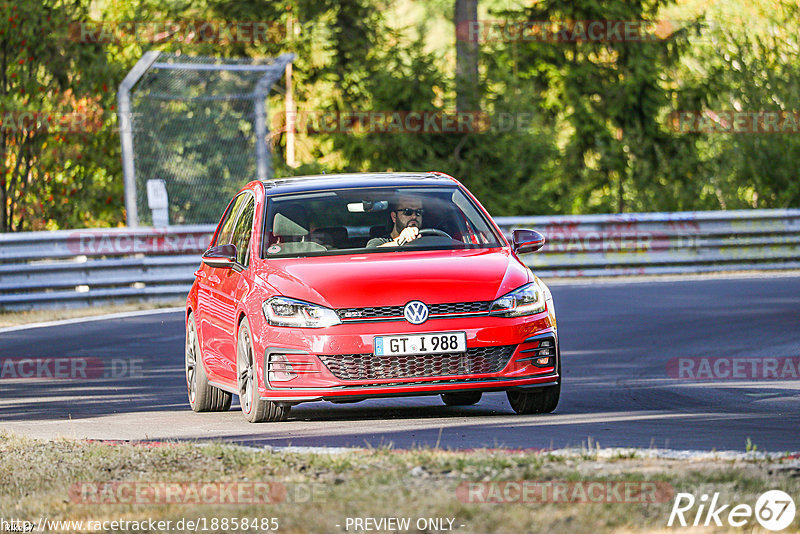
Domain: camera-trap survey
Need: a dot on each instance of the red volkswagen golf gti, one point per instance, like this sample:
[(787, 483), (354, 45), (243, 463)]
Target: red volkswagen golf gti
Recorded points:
[(356, 286)]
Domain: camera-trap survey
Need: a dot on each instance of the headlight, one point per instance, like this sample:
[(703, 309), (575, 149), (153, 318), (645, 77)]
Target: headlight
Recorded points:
[(548, 298), (282, 311), (526, 300)]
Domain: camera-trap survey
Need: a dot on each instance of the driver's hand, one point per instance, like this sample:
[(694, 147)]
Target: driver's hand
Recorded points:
[(409, 233)]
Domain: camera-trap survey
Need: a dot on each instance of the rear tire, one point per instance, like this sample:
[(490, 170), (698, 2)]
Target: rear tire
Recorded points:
[(255, 409), (461, 399), (203, 397)]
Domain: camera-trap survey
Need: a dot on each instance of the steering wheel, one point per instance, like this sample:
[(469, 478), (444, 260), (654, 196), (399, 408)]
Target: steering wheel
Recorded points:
[(434, 231)]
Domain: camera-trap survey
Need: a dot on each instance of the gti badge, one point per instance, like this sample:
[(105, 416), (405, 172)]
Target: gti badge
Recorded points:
[(415, 312)]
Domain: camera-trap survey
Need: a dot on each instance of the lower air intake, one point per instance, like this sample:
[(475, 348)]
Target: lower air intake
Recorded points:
[(477, 360)]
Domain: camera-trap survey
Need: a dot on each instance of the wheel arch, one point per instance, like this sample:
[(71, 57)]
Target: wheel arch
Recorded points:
[(239, 318)]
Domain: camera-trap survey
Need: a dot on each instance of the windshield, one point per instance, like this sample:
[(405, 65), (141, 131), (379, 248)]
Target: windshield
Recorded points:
[(365, 220)]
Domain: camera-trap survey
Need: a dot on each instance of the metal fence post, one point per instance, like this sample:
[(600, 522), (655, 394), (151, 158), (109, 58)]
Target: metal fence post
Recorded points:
[(195, 91), (126, 132), (263, 170)]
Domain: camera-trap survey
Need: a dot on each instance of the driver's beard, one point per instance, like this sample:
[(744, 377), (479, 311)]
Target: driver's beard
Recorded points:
[(399, 229)]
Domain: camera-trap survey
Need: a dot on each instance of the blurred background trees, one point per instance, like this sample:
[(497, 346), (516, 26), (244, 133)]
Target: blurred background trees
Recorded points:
[(59, 154), (596, 135)]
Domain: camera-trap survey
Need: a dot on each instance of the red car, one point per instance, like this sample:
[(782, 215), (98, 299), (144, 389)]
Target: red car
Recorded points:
[(355, 286)]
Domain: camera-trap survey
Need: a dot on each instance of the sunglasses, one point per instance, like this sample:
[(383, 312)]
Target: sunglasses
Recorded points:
[(408, 212)]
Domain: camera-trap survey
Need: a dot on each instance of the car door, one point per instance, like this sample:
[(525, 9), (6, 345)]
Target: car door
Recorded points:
[(214, 310), (234, 285)]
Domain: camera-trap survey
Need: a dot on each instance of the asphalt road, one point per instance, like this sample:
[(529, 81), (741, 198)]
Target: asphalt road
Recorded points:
[(620, 342)]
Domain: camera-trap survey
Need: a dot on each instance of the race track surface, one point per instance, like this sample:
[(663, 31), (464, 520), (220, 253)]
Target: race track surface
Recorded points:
[(620, 344)]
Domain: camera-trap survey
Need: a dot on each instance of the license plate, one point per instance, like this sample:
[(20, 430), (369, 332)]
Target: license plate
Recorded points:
[(441, 343)]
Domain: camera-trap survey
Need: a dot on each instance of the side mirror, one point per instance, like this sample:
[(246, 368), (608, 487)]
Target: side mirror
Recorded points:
[(527, 241), (221, 256)]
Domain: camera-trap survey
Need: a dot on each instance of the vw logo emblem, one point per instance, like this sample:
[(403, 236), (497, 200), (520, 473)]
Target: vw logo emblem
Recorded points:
[(415, 312)]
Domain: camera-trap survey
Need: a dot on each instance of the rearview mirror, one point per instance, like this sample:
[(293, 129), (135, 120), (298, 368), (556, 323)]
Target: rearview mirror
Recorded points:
[(221, 256), (367, 206), (527, 241)]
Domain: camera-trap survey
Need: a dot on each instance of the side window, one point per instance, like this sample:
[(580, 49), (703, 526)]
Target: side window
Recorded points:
[(226, 231), (476, 224), (243, 232)]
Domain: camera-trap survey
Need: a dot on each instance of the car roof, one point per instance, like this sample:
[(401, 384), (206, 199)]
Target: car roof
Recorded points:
[(319, 182)]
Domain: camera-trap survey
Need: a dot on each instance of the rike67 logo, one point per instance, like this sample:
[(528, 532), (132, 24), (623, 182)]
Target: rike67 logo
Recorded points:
[(774, 510)]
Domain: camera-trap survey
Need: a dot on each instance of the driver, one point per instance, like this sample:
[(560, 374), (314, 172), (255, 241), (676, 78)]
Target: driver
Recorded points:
[(407, 218)]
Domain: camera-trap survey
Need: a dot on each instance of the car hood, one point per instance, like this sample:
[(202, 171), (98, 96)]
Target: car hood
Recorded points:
[(395, 278)]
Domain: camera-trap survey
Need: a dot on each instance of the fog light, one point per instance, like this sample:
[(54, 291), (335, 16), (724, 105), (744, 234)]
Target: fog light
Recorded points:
[(280, 370), (542, 352)]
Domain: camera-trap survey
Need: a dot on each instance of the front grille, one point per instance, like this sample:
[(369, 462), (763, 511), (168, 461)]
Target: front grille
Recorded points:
[(370, 313), (459, 307), (383, 312), (477, 360)]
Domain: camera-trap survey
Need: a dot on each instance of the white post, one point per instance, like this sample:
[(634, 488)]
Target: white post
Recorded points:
[(158, 201)]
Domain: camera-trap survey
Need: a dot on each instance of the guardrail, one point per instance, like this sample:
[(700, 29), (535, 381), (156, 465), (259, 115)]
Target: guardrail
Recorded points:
[(663, 243), (80, 267), (69, 268)]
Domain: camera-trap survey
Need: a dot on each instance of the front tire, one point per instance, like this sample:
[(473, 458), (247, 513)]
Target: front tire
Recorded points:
[(203, 397), (255, 409), (461, 399), (541, 400)]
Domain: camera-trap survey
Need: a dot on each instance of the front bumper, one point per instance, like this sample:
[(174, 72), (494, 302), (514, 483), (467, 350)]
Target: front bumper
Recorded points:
[(292, 370)]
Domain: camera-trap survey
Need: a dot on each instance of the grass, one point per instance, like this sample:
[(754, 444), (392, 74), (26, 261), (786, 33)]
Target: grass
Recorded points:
[(57, 314), (323, 489)]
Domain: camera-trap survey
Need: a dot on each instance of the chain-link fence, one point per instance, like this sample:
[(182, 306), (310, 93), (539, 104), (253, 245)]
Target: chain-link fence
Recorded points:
[(199, 124)]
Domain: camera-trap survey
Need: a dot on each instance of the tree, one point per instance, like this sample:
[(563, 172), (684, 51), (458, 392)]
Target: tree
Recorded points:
[(55, 164), (751, 70), (465, 16), (608, 94)]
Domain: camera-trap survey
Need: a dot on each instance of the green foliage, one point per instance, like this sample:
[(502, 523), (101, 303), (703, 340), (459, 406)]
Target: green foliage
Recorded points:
[(608, 95), (593, 132), (59, 168), (749, 68)]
